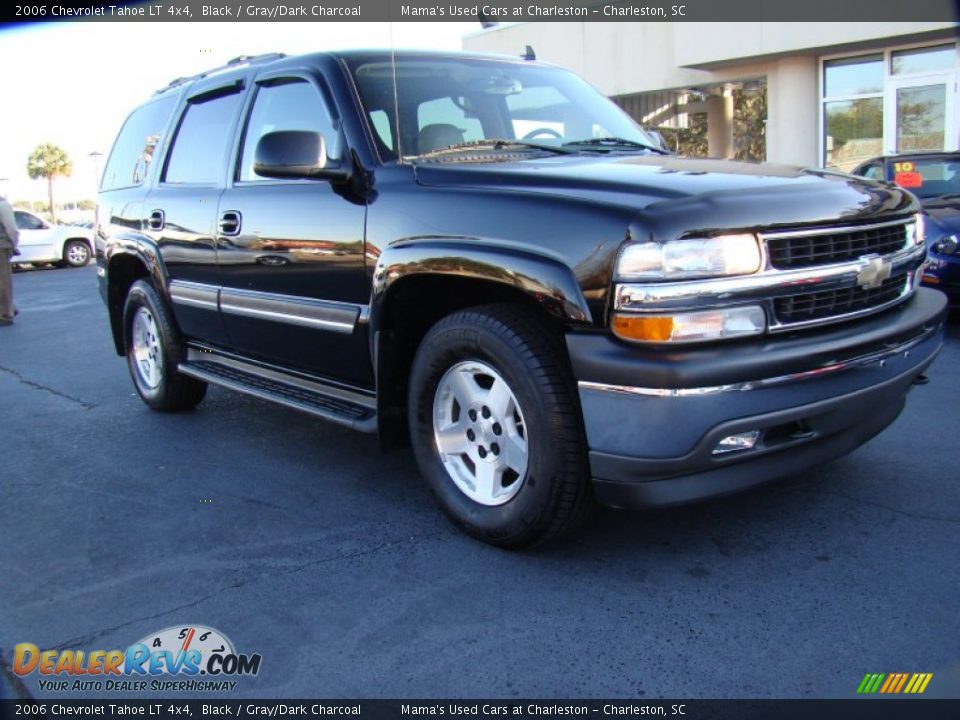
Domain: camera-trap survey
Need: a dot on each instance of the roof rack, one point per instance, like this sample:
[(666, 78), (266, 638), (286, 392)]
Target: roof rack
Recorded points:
[(239, 60)]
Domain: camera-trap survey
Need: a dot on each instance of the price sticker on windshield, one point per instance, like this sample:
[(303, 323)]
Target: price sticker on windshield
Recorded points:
[(906, 176), (908, 179)]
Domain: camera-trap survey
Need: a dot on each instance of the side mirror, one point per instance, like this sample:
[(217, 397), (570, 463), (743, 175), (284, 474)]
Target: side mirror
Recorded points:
[(295, 154)]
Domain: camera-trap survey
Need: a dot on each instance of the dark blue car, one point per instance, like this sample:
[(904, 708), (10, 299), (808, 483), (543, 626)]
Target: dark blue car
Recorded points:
[(934, 177)]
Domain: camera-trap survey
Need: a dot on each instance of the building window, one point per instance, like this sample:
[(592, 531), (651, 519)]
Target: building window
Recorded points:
[(898, 100), (853, 110), (923, 60)]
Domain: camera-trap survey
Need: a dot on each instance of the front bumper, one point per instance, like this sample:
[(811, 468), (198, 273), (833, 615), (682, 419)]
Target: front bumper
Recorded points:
[(653, 417)]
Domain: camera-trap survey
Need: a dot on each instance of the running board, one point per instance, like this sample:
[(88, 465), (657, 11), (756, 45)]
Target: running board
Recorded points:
[(345, 407)]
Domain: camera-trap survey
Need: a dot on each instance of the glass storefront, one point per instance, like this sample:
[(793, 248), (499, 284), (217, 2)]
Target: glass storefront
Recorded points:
[(894, 101)]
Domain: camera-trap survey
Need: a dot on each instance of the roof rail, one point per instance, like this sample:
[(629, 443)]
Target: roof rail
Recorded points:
[(239, 60)]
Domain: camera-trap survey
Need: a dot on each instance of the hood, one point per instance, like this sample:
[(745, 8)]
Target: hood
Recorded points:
[(945, 214), (688, 193)]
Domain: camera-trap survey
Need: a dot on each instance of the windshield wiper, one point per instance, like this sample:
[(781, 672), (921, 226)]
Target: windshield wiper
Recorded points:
[(615, 142), (495, 144)]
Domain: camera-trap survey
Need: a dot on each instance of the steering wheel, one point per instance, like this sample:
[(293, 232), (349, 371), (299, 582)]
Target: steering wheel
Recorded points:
[(549, 132)]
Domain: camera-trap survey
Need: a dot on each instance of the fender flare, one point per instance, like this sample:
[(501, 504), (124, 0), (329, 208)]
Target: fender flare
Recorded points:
[(145, 252), (549, 282), (143, 249)]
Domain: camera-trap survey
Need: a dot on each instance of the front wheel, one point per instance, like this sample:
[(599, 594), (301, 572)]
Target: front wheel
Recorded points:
[(496, 427), (154, 350)]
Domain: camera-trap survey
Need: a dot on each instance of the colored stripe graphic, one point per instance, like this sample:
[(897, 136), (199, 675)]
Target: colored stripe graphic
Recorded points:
[(913, 681), (894, 683), (871, 683)]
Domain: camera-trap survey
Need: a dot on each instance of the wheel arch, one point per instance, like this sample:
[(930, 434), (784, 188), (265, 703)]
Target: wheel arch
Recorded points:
[(417, 285), (125, 267)]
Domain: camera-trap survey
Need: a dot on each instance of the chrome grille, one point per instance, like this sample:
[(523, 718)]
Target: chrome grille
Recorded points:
[(810, 248), (811, 306)]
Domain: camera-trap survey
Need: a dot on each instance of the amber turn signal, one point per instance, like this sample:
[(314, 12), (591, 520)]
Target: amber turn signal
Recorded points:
[(690, 327), (639, 327)]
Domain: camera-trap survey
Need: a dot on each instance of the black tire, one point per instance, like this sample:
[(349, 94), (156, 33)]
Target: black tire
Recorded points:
[(76, 253), (166, 390), (554, 495)]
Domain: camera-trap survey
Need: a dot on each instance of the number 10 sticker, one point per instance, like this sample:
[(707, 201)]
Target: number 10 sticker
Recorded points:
[(905, 175)]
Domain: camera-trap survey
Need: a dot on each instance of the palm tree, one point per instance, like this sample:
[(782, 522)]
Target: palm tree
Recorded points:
[(49, 161)]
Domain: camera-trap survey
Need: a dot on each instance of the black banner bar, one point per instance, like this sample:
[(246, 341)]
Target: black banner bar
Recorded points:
[(484, 10), (858, 709)]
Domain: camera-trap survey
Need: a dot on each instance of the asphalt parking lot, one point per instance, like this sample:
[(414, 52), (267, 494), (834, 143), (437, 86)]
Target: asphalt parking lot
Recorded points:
[(301, 542)]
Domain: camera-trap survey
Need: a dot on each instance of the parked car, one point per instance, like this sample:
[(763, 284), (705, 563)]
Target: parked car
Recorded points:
[(43, 243), (486, 258), (934, 177)]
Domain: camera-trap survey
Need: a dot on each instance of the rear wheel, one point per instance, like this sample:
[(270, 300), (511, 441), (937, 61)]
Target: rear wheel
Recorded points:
[(154, 350), (76, 253), (496, 426)]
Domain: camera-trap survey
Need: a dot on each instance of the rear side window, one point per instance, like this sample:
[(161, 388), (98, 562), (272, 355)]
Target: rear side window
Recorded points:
[(200, 147), (133, 150), (291, 104)]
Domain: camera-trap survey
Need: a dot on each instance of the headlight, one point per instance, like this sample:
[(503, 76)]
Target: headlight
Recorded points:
[(947, 245), (691, 326), (917, 231), (690, 258)]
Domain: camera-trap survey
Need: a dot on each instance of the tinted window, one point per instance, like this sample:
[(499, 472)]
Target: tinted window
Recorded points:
[(873, 171), (290, 105), (200, 146), (26, 221), (134, 147)]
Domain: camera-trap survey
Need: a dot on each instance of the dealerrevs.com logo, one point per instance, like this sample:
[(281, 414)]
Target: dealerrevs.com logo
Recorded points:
[(188, 658)]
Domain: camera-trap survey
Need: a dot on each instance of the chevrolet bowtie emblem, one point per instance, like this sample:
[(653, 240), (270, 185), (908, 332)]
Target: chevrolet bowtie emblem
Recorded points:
[(873, 271)]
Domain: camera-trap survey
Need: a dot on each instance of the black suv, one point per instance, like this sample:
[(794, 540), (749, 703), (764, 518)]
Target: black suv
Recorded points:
[(487, 258)]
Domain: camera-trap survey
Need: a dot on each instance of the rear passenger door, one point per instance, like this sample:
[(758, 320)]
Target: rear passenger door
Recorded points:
[(180, 212), (291, 252)]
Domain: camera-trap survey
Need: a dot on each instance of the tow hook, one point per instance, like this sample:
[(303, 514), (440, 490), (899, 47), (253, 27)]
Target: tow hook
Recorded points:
[(921, 380)]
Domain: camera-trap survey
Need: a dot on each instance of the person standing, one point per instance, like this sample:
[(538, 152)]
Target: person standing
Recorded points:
[(9, 236)]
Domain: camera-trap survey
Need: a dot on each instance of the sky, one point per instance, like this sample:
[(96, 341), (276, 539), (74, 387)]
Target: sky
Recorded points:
[(74, 83)]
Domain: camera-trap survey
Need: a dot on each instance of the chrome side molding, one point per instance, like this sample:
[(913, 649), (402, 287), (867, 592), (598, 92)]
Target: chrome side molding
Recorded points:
[(292, 309), (307, 312)]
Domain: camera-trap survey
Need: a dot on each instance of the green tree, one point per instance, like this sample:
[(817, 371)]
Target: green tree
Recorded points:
[(750, 124), (50, 162)]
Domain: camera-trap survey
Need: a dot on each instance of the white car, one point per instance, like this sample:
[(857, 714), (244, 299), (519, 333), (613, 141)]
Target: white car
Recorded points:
[(42, 243)]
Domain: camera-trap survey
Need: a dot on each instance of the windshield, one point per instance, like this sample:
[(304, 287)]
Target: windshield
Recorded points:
[(927, 177), (449, 101)]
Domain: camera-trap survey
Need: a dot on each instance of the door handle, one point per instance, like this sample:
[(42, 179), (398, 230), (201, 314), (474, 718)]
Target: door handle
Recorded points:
[(156, 220), (230, 221)]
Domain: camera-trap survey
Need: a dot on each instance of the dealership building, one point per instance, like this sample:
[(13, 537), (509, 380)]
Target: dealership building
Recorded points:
[(836, 93)]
